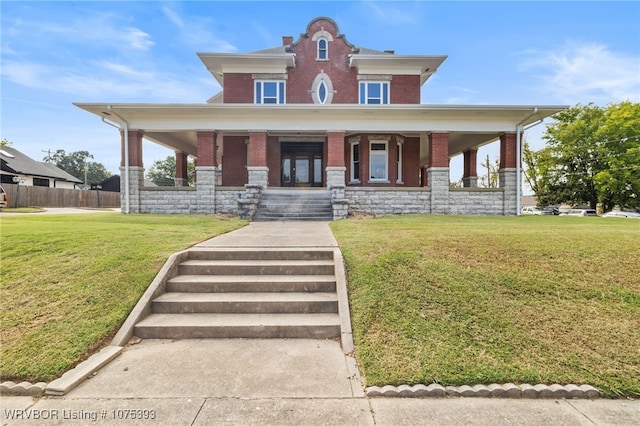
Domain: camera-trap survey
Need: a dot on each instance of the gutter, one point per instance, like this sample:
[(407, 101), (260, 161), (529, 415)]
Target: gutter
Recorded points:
[(519, 130), (127, 209)]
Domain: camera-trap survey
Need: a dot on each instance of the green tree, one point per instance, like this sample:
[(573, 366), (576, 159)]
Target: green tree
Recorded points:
[(592, 156), (76, 163), (162, 172), (5, 142)]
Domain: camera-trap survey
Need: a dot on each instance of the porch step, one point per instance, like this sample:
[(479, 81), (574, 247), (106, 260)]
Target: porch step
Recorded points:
[(208, 325), (247, 293), (305, 204)]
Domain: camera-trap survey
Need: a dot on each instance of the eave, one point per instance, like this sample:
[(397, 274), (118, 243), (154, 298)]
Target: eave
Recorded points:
[(424, 66), (219, 64)]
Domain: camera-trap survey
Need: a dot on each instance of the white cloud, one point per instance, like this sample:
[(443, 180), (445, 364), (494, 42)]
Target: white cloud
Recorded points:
[(198, 33), (125, 70), (392, 14), (588, 72)]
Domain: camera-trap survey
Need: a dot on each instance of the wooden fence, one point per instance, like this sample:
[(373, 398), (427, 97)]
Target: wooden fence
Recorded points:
[(40, 196)]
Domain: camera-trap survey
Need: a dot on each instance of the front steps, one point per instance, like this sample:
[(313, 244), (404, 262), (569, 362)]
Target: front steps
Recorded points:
[(294, 204), (244, 293)]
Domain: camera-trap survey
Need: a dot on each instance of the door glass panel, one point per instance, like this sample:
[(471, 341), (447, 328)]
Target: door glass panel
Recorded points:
[(302, 169), (286, 170), (317, 170)]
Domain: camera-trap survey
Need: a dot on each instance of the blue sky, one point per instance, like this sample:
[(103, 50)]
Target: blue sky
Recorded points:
[(500, 53)]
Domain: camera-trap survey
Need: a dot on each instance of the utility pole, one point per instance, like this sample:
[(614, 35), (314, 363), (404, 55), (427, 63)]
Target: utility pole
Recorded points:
[(48, 157), (488, 172)]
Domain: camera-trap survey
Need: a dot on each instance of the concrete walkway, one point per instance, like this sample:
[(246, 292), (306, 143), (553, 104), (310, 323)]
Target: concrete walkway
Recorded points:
[(275, 381)]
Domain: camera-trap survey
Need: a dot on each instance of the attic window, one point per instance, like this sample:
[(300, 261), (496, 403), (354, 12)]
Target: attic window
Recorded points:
[(323, 49)]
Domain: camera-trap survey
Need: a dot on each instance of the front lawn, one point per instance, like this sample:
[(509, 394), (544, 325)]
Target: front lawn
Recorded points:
[(467, 300), (69, 281)]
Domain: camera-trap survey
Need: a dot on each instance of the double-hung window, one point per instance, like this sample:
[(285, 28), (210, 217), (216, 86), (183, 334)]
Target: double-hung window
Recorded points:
[(323, 49), (269, 92), (374, 92), (378, 161), (355, 162)]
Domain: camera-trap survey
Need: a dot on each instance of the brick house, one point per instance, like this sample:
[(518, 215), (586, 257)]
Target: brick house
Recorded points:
[(321, 115)]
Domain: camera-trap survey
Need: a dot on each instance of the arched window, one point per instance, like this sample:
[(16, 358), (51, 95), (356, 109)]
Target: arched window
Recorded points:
[(323, 48), (322, 92)]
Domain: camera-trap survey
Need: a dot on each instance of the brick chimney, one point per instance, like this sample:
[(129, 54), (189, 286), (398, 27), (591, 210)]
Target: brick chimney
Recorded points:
[(287, 40)]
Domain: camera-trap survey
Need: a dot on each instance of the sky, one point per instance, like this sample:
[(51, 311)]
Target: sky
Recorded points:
[(499, 53)]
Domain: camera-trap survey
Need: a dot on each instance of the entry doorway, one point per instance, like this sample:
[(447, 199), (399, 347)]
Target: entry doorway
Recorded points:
[(301, 164)]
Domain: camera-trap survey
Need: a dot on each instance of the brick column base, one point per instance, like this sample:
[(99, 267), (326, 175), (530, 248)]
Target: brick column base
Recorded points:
[(438, 178), (470, 182), (507, 180), (136, 181), (206, 189)]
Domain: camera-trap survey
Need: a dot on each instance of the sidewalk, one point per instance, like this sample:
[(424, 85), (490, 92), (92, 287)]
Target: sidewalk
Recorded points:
[(275, 381)]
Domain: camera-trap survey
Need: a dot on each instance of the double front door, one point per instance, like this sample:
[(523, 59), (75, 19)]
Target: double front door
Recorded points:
[(301, 164)]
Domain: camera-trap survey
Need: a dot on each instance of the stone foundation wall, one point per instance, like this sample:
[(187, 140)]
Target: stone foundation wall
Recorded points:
[(389, 200), (483, 201), (161, 200), (227, 199)]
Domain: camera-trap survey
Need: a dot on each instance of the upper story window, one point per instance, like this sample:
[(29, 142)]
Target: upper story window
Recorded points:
[(323, 49), (269, 92), (374, 92)]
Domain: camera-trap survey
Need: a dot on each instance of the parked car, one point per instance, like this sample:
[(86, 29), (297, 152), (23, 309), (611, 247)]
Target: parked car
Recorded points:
[(618, 213), (4, 199), (535, 210), (581, 212), (553, 210)]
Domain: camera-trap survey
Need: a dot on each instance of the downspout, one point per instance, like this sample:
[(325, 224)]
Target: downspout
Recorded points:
[(126, 160), (519, 160)]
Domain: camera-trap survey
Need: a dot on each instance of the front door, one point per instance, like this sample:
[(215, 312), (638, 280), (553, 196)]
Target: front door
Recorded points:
[(301, 164)]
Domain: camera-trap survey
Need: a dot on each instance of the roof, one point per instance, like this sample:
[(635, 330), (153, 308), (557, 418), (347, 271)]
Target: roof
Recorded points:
[(15, 162)]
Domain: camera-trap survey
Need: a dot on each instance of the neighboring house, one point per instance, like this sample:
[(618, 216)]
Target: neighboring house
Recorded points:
[(112, 184), (29, 172), (320, 112)]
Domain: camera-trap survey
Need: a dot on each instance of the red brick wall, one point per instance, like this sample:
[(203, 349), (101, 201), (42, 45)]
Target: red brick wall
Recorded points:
[(258, 149), (470, 163), (238, 88), (135, 148), (181, 165), (508, 151), (411, 162), (405, 89), (234, 164), (439, 150), (207, 148), (335, 153), (273, 161)]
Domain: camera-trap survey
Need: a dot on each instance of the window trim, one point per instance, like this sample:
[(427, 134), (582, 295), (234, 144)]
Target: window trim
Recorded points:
[(400, 144), (363, 95), (281, 92), (353, 165)]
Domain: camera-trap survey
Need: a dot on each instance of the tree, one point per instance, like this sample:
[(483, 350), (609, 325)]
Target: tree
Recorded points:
[(162, 172), (491, 179), (592, 156), (5, 142), (76, 163)]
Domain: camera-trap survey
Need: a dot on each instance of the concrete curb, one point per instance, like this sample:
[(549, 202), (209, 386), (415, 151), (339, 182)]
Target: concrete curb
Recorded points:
[(508, 390), (82, 371)]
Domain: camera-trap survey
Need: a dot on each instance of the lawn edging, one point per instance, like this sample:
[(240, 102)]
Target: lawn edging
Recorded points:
[(494, 390)]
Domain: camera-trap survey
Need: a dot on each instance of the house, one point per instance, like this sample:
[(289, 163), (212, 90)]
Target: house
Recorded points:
[(322, 114), (19, 168), (112, 184)]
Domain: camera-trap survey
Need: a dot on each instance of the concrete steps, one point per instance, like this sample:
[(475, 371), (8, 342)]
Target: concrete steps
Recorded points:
[(244, 293), (294, 204)]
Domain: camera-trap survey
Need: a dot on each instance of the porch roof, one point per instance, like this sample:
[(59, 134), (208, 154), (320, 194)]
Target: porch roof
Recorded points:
[(175, 125)]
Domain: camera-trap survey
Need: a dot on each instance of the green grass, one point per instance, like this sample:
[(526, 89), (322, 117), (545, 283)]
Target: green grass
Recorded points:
[(467, 300), (69, 281)]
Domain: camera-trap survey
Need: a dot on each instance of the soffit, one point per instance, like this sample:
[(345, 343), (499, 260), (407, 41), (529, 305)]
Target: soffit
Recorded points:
[(220, 63), (424, 66)]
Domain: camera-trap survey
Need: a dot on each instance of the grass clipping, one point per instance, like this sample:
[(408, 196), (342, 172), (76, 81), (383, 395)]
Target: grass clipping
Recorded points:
[(471, 300), (69, 281)]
